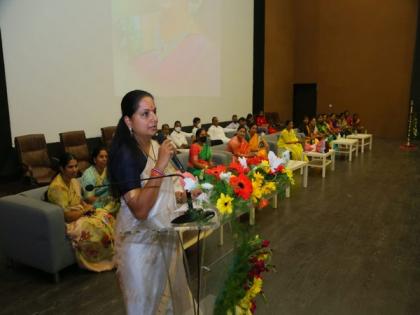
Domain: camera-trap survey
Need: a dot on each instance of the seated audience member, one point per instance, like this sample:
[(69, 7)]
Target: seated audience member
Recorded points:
[(196, 126), (238, 145), (216, 133), (261, 122), (342, 124), (200, 153), (332, 124), (313, 130), (250, 119), (164, 131), (234, 124), (357, 125), (321, 125), (271, 129), (178, 137), (96, 175), (90, 229), (242, 123), (257, 144), (304, 126), (348, 118), (289, 141)]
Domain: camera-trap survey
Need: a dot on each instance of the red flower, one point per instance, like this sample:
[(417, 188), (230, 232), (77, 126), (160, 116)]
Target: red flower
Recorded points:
[(216, 171), (263, 203), (259, 266), (236, 166), (279, 169), (255, 160), (253, 307), (265, 243), (242, 186)]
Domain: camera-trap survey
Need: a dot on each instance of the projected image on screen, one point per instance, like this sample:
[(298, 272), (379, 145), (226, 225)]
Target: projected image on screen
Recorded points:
[(171, 47)]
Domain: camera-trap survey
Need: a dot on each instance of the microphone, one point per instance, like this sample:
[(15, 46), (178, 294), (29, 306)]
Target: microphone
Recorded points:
[(159, 137)]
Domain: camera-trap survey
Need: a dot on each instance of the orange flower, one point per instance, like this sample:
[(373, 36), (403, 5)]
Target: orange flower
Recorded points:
[(216, 171), (254, 160), (242, 186), (263, 203), (236, 166)]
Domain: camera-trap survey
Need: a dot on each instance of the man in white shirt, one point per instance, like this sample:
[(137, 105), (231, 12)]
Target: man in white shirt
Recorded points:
[(216, 132), (196, 126), (233, 126), (178, 137)]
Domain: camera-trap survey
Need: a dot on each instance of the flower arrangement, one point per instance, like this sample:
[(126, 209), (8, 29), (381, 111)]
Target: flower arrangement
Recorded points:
[(244, 183), (233, 190), (252, 259)]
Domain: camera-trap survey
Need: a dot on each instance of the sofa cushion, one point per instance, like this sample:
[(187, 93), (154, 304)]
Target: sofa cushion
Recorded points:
[(36, 193)]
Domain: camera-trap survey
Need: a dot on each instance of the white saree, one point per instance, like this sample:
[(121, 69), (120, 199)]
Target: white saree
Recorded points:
[(150, 266)]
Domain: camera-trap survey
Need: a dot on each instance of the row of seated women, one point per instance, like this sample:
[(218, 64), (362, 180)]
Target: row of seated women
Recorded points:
[(243, 144), (332, 124), (89, 215), (318, 133)]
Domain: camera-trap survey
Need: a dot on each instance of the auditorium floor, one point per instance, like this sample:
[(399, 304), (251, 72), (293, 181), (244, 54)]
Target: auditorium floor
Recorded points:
[(347, 244)]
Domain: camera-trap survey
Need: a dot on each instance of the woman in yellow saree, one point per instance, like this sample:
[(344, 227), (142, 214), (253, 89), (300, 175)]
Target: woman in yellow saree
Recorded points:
[(289, 141), (256, 143), (90, 230)]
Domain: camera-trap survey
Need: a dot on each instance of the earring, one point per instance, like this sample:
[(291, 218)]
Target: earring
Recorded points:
[(131, 131)]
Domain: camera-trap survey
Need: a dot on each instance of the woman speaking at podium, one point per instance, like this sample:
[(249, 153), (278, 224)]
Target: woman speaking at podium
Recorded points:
[(150, 269)]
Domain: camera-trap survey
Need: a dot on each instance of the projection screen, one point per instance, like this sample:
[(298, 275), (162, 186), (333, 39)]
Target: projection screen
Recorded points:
[(68, 63)]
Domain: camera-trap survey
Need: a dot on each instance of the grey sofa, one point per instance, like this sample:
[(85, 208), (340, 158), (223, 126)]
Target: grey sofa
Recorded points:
[(32, 232)]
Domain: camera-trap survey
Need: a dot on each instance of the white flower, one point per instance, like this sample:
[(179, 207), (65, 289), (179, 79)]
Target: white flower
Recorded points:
[(225, 176), (203, 197), (190, 184), (275, 161), (243, 162), (206, 186), (286, 155)]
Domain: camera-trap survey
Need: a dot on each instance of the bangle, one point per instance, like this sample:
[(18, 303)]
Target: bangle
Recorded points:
[(158, 171)]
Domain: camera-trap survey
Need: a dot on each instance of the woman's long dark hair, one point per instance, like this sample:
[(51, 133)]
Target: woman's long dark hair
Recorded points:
[(123, 137)]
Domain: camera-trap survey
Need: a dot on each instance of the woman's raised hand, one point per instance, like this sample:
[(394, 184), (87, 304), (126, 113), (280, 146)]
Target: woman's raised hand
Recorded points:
[(166, 151)]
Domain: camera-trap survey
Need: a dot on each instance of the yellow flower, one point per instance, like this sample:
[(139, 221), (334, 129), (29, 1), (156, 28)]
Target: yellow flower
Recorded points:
[(262, 257), (240, 311), (268, 188), (256, 287), (265, 166), (257, 192), (258, 177), (290, 175), (245, 303), (224, 204)]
